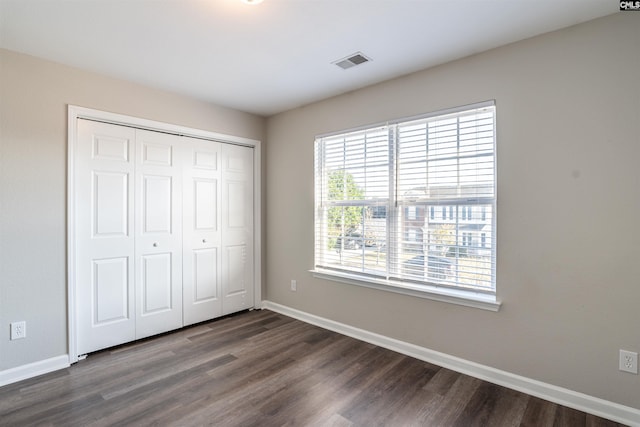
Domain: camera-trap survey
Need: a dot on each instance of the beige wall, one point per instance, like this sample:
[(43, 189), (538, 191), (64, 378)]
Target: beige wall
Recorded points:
[(568, 152), (33, 135)]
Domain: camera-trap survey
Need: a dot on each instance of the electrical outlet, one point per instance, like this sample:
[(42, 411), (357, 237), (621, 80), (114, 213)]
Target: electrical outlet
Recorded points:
[(629, 361), (294, 285), (18, 330)]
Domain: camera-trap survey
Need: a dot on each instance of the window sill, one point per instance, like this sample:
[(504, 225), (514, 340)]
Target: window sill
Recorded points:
[(451, 296)]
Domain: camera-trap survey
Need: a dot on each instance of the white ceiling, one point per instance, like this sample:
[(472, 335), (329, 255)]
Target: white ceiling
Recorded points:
[(277, 55)]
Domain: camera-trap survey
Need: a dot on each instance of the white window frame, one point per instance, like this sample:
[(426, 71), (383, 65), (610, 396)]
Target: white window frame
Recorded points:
[(456, 295)]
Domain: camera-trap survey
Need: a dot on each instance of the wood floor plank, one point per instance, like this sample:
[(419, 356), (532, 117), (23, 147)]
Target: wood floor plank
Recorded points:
[(442, 381), (568, 417), (395, 388), (593, 421), (493, 405), (539, 413), (260, 368), (453, 402)]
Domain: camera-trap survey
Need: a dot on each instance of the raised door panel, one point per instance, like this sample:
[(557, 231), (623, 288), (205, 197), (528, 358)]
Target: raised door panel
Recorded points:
[(109, 290), (201, 232), (157, 283), (158, 233), (205, 267), (105, 298), (110, 204), (112, 148), (156, 204), (237, 228), (236, 200), (156, 154), (236, 260), (205, 204)]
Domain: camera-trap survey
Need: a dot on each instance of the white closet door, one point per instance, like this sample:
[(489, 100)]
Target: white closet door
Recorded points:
[(158, 233), (201, 232), (163, 232), (237, 228), (104, 178)]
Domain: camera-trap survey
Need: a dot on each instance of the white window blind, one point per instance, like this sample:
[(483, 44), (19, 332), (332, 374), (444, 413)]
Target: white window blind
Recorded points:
[(411, 202), (352, 184)]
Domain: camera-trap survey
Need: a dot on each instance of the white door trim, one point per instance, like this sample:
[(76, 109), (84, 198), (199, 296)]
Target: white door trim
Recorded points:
[(75, 113)]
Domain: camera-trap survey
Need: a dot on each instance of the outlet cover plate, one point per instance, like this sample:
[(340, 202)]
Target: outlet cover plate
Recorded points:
[(629, 361), (18, 330)]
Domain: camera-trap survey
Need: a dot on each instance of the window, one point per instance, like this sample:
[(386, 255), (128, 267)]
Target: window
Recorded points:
[(441, 161), (379, 212), (466, 213), (411, 213)]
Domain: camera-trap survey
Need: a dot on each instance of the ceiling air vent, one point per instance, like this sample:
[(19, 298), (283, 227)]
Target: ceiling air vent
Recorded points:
[(351, 61)]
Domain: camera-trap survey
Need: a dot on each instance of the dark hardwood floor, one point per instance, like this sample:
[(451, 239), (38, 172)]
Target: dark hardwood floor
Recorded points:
[(260, 368)]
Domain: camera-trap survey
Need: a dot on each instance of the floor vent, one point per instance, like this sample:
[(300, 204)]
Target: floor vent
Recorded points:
[(351, 61)]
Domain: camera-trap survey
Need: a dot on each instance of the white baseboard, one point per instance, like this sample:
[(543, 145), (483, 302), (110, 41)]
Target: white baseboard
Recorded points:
[(562, 396), (34, 369)]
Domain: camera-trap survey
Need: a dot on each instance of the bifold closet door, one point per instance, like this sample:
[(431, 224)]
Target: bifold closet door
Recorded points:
[(104, 188), (163, 235), (158, 232), (201, 231), (237, 228), (218, 230), (128, 234)]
